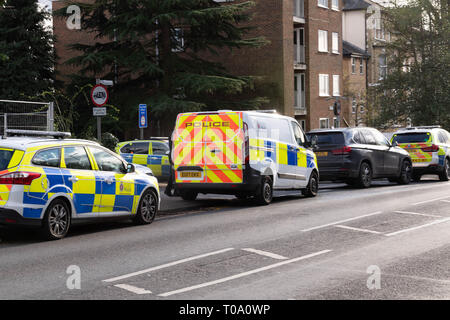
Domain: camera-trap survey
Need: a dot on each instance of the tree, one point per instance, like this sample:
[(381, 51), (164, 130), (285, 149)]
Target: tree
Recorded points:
[(26, 50), (165, 52), (418, 82)]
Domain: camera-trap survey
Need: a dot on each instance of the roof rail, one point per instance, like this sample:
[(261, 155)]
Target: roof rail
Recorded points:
[(36, 133), (159, 138), (423, 127), (264, 111)]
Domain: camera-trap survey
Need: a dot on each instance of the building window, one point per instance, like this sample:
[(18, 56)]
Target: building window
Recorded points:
[(299, 8), (335, 4), (299, 45), (354, 107), (382, 66), (353, 65), (361, 66), (335, 42), (323, 3), (323, 41), (303, 125), (336, 85), (379, 30), (324, 123), (324, 90), (299, 91), (178, 40)]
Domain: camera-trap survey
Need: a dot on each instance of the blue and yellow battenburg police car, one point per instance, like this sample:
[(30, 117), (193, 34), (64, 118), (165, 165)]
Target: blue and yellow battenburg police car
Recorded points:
[(153, 153), (51, 182)]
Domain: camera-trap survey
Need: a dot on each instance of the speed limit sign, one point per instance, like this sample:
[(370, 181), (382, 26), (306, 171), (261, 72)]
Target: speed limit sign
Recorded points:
[(99, 95)]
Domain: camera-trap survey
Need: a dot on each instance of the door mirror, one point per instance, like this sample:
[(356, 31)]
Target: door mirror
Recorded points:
[(130, 168)]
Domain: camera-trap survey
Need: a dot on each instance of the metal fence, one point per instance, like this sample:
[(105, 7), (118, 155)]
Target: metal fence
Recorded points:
[(26, 115)]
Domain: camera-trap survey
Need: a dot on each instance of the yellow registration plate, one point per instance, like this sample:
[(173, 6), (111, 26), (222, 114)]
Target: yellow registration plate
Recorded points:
[(420, 160), (190, 174), (322, 154)]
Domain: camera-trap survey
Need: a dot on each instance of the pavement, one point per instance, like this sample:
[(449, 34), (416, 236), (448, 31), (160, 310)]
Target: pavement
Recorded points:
[(386, 242)]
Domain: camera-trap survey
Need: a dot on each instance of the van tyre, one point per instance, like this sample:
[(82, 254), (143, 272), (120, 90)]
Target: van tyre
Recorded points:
[(313, 186), (405, 173), (445, 174), (365, 175), (189, 195), (264, 194), (56, 220), (147, 209)]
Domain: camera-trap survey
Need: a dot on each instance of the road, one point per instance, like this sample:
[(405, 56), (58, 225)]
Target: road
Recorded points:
[(386, 242)]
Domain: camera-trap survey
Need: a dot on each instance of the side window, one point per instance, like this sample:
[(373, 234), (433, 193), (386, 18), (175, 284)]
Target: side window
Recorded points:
[(48, 158), (380, 138), (159, 148), (107, 162), (136, 148), (76, 158), (368, 137), (443, 138), (285, 132), (298, 134), (126, 148)]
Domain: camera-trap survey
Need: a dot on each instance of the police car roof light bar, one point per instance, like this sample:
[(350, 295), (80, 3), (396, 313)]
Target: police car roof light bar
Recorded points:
[(54, 134), (423, 127)]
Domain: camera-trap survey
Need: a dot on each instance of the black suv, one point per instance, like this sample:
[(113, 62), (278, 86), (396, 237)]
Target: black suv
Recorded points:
[(358, 155)]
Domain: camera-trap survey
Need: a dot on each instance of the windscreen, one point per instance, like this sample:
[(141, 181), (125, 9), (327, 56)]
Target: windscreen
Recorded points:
[(411, 137)]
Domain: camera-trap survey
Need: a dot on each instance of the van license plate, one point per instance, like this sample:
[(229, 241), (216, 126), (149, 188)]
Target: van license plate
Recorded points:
[(189, 174), (322, 154)]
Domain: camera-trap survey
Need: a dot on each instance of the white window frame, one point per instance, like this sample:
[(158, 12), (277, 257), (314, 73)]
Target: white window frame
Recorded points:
[(336, 85), (353, 65), (354, 105), (335, 42), (361, 66), (299, 94), (324, 85), (336, 121), (327, 121), (320, 3), (323, 41), (335, 5)]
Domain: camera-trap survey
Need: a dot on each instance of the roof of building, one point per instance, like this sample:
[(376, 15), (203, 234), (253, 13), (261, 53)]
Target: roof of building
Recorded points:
[(355, 5), (350, 49)]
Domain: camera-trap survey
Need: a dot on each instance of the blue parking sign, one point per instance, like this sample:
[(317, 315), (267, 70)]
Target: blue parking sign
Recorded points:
[(143, 120)]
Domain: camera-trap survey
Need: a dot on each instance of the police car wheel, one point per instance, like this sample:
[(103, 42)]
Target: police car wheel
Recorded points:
[(313, 186), (406, 172), (148, 207), (445, 174), (56, 221), (264, 194)]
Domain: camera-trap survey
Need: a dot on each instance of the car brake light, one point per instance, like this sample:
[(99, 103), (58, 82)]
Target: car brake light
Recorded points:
[(19, 177), (433, 148), (342, 151)]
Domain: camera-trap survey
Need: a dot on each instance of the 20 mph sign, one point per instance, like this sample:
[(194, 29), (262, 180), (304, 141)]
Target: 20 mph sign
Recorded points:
[(99, 95)]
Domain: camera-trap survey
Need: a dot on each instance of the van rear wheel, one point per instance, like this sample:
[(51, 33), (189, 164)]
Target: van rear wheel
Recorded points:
[(313, 186), (264, 194)]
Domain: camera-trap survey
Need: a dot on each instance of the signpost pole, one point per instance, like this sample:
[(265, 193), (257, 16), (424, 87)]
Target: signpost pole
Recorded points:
[(99, 128)]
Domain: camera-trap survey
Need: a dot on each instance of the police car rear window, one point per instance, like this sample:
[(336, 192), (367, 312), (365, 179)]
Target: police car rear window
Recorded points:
[(48, 158), (5, 158), (412, 137)]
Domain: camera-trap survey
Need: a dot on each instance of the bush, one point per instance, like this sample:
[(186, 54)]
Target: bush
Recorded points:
[(109, 141)]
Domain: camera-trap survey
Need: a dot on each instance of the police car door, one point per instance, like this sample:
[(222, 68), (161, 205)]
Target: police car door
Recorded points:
[(302, 173), (159, 159), (117, 186), (286, 152)]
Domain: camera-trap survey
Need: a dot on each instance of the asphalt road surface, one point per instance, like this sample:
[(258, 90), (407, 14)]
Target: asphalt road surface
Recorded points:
[(386, 242)]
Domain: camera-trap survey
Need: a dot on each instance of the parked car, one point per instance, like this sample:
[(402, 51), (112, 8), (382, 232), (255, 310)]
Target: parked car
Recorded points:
[(429, 148), (51, 183), (243, 153), (152, 153), (358, 155)]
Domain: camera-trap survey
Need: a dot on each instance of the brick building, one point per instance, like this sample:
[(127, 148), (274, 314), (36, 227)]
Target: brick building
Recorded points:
[(301, 69)]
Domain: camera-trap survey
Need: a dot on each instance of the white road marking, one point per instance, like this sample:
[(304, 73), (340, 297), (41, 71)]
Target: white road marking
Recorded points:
[(418, 227), (341, 221), (243, 274), (133, 289), (447, 201), (431, 200), (419, 214), (167, 265), (265, 253), (358, 229)]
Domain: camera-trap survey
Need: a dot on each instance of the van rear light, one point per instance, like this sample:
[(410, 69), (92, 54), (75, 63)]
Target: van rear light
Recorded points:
[(246, 144), (342, 151), (433, 148), (19, 177)]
